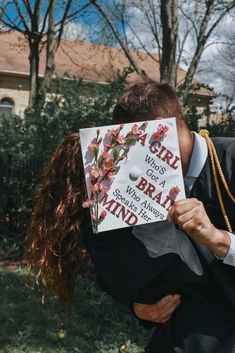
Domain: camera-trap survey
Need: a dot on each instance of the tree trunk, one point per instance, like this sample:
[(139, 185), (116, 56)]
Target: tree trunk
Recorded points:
[(34, 72), (169, 21), (50, 51)]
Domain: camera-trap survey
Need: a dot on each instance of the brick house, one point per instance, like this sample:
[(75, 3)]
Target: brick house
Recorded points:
[(93, 63)]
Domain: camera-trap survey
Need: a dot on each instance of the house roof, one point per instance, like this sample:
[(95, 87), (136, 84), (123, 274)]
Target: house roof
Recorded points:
[(80, 59)]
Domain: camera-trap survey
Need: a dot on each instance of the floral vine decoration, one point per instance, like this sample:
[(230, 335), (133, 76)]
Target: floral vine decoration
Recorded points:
[(106, 165)]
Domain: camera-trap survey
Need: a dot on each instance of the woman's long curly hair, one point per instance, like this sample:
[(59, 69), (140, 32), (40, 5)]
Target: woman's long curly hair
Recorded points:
[(54, 239)]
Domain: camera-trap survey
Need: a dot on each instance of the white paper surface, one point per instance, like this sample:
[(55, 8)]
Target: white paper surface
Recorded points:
[(140, 191)]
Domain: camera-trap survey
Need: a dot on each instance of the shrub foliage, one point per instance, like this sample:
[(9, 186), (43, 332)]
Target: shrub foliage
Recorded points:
[(28, 142)]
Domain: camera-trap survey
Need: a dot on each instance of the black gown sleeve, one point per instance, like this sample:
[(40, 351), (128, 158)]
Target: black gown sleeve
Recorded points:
[(124, 267)]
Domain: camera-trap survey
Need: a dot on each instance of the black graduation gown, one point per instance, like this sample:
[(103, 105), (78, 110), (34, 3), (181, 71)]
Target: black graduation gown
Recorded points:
[(129, 274), (204, 322), (204, 189)]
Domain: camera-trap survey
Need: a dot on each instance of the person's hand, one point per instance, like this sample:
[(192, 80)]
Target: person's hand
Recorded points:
[(159, 312), (191, 217)]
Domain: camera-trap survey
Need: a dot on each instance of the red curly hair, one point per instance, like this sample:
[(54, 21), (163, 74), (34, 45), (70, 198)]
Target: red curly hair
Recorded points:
[(54, 240)]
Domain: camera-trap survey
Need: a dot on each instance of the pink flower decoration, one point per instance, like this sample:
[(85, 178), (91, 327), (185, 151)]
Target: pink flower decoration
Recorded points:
[(105, 155), (163, 128), (103, 214), (98, 131), (161, 132), (99, 187), (174, 191), (95, 172), (95, 187), (88, 203), (121, 139), (93, 179), (108, 146), (113, 132), (108, 163), (110, 176), (135, 130), (93, 147), (103, 188), (156, 135)]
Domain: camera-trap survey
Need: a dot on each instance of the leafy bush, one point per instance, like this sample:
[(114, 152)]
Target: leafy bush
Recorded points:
[(75, 105), (225, 128), (27, 143), (192, 118)]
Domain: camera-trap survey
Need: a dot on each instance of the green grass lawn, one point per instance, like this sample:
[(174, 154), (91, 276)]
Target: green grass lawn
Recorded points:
[(96, 323)]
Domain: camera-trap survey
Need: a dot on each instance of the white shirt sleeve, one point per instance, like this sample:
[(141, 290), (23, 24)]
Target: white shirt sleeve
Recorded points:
[(229, 259)]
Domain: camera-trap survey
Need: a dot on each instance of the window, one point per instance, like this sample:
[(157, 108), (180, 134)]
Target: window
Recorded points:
[(6, 105)]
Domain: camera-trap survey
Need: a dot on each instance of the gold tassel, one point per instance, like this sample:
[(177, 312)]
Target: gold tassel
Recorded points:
[(216, 164)]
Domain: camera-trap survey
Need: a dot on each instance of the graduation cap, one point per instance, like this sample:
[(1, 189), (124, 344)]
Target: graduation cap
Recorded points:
[(133, 173)]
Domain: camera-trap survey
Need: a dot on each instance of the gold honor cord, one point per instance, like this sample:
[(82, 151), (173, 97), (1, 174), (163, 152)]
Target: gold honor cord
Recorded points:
[(216, 164)]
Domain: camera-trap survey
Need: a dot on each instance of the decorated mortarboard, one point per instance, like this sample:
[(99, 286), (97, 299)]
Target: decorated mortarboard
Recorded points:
[(133, 173)]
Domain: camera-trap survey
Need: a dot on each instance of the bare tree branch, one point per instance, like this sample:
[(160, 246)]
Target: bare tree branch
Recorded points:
[(156, 27), (142, 44), (123, 23), (153, 26), (11, 23), (75, 13), (218, 42), (202, 38), (45, 18), (28, 8), (21, 15), (119, 39), (61, 28), (219, 19), (2, 8), (181, 46), (189, 18), (37, 7)]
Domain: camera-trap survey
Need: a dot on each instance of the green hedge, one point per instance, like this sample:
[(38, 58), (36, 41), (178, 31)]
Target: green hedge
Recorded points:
[(27, 143)]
